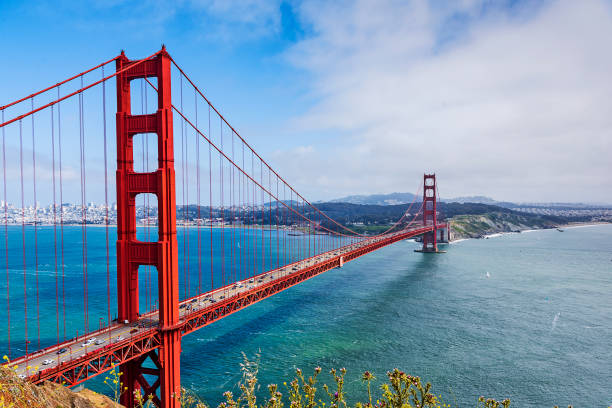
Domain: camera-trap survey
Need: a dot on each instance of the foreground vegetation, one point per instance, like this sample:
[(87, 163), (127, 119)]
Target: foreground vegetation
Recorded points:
[(400, 390)]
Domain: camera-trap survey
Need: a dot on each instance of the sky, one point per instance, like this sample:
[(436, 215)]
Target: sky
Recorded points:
[(507, 99)]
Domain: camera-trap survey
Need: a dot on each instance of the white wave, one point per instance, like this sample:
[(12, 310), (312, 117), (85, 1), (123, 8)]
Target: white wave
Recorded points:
[(582, 226), (555, 320), (458, 240)]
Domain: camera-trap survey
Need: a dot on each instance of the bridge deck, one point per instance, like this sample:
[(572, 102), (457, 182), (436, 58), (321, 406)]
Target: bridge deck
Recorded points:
[(79, 359)]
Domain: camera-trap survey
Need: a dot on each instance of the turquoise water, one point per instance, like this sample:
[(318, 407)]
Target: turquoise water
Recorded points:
[(84, 288), (538, 329)]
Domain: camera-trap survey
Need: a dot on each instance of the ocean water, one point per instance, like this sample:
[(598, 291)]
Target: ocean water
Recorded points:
[(525, 316), (538, 330)]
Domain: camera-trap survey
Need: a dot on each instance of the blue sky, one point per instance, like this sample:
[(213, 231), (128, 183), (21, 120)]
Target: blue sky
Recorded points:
[(230, 60), (500, 98)]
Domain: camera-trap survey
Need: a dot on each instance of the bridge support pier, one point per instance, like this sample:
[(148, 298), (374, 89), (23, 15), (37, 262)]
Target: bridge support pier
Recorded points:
[(162, 254), (444, 236)]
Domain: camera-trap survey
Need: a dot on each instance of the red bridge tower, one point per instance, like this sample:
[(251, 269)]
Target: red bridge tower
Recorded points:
[(430, 239), (162, 254)]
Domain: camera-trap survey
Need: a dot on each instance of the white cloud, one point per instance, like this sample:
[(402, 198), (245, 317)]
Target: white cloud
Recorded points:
[(237, 20), (516, 107)]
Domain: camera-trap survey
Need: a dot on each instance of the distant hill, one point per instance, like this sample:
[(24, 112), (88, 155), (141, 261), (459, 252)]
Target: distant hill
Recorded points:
[(406, 198), (374, 218), (471, 199), (377, 199)]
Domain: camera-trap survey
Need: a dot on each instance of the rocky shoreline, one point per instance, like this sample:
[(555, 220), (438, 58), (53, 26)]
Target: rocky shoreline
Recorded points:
[(486, 225)]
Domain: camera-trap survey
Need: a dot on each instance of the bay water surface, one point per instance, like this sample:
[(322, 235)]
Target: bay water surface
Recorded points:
[(525, 316)]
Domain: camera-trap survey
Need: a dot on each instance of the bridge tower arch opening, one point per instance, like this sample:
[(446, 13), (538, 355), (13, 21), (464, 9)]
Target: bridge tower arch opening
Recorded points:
[(161, 254)]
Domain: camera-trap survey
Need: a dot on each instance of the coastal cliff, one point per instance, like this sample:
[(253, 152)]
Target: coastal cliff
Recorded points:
[(479, 225), (17, 393)]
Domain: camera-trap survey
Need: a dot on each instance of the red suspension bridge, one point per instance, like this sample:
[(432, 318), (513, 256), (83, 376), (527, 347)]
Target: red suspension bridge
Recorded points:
[(224, 232)]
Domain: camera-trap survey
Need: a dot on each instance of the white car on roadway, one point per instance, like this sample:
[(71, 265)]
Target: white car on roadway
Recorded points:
[(47, 362)]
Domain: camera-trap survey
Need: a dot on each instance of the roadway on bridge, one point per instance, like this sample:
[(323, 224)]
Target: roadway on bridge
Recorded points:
[(81, 347)]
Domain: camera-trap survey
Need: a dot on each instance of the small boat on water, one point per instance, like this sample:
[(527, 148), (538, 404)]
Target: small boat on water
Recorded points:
[(560, 230)]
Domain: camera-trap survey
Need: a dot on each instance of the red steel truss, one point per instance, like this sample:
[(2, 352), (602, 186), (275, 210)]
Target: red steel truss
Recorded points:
[(137, 348)]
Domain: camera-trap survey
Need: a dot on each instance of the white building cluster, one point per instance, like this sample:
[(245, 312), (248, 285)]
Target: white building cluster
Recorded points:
[(67, 213), (567, 212), (97, 214)]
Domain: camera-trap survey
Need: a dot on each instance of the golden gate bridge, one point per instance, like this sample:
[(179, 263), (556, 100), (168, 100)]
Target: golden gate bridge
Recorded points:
[(254, 234)]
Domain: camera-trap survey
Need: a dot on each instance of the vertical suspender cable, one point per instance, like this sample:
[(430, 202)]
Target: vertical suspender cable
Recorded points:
[(221, 195), (61, 191), (263, 239), (318, 237), (5, 204), (245, 201), (148, 208), (239, 225), (197, 143), (291, 227), (284, 226), (23, 247), (108, 310), (147, 214), (308, 235), (186, 173), (233, 230), (144, 221), (55, 227), (210, 206), (234, 215), (306, 224), (298, 244), (253, 212), (277, 228), (83, 210), (270, 216), (183, 193), (145, 224), (241, 200), (35, 227)]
